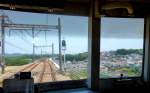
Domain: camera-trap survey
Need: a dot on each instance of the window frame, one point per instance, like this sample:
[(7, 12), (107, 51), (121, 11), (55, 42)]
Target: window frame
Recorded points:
[(143, 58), (86, 14), (56, 84)]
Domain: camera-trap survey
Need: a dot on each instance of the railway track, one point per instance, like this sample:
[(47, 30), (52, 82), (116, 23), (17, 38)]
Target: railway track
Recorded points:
[(41, 76), (53, 73), (30, 68), (43, 70), (47, 72), (25, 69)]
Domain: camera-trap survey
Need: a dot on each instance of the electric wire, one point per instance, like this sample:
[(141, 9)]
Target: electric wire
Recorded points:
[(13, 45)]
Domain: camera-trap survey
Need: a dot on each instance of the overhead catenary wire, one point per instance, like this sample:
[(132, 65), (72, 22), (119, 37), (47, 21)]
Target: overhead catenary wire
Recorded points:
[(21, 34), (13, 45), (22, 30), (8, 24), (23, 37)]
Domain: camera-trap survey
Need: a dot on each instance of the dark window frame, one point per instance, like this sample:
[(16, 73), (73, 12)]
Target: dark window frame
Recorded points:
[(85, 81), (143, 58), (56, 84)]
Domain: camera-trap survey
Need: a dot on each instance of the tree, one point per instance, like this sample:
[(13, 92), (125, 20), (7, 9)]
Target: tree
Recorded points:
[(69, 57), (128, 51)]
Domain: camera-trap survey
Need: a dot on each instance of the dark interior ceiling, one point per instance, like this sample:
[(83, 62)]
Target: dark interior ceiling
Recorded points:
[(59, 2), (69, 7), (81, 1)]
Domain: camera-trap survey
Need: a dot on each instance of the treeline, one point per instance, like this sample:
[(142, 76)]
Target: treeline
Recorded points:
[(22, 59), (77, 57), (17, 60), (128, 51), (69, 57)]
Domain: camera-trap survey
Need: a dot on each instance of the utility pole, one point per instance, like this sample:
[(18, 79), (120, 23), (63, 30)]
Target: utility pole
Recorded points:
[(11, 25), (41, 52), (64, 55), (59, 38), (52, 51), (33, 37), (2, 63), (44, 46)]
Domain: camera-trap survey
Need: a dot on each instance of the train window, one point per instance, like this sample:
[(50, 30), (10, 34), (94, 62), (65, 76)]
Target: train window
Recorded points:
[(51, 47), (121, 47)]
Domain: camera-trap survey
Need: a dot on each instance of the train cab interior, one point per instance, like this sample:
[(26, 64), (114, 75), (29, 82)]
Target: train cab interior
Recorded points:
[(74, 46)]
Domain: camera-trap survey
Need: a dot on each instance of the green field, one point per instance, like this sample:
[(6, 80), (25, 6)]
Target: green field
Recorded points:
[(17, 60)]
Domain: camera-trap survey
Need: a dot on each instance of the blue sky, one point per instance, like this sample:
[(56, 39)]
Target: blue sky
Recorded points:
[(119, 33), (116, 34)]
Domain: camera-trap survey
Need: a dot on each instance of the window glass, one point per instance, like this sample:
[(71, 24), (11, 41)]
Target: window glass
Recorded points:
[(121, 47), (51, 47)]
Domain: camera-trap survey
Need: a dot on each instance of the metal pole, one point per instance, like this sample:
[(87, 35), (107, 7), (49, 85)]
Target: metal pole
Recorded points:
[(52, 51), (59, 38), (33, 55), (3, 44), (64, 60), (64, 53), (41, 52)]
